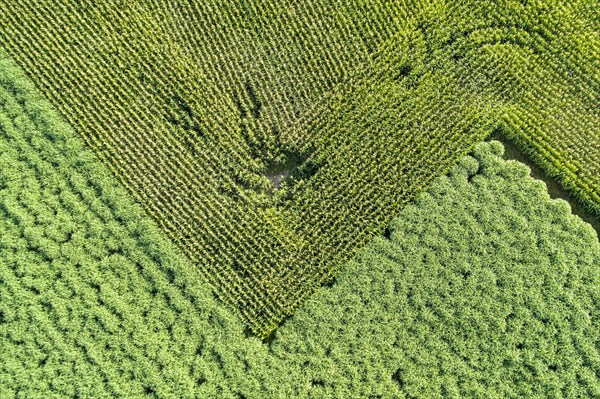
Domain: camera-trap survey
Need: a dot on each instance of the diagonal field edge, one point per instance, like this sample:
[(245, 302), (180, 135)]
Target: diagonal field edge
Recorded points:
[(95, 301), (385, 129)]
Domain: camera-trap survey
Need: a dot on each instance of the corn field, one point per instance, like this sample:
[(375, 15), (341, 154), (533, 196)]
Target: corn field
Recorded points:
[(192, 104)]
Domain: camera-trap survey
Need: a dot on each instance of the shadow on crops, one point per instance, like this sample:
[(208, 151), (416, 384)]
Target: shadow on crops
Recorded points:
[(512, 151)]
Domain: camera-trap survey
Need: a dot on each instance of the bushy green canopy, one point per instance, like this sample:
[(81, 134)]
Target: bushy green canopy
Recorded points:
[(194, 104), (485, 288)]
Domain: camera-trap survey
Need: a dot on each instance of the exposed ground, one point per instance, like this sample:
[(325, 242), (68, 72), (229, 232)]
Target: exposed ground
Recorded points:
[(188, 104)]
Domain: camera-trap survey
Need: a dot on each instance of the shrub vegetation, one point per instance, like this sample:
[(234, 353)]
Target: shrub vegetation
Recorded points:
[(484, 287), (191, 105)]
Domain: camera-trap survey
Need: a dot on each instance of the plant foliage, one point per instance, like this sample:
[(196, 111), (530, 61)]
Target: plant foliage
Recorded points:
[(485, 287), (190, 103)]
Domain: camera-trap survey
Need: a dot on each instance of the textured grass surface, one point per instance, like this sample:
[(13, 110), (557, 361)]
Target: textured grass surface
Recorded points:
[(485, 287), (190, 105)]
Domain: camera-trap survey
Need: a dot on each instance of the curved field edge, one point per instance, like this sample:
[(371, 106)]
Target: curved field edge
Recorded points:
[(555, 188), (372, 97), (544, 66), (569, 181), (188, 120), (484, 287)]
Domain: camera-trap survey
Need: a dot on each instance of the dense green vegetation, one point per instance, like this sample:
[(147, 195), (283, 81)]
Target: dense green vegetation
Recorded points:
[(192, 104), (485, 287)]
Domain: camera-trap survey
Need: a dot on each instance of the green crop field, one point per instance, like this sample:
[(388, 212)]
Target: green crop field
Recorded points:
[(267, 199), (483, 287), (195, 107)]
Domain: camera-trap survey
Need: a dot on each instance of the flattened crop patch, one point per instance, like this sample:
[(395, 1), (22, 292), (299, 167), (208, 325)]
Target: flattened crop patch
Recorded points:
[(199, 124)]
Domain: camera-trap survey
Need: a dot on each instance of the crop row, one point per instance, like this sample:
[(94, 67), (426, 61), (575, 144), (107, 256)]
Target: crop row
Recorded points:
[(189, 105)]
